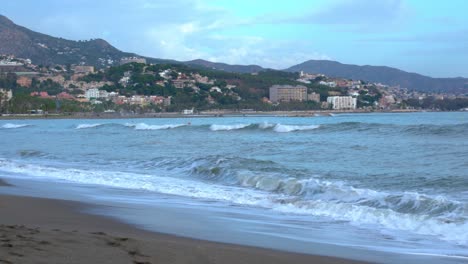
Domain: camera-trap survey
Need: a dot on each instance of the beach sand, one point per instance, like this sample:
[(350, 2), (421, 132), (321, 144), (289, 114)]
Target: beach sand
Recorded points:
[(36, 230)]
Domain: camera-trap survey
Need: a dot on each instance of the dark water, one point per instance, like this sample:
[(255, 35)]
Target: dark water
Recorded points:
[(394, 182)]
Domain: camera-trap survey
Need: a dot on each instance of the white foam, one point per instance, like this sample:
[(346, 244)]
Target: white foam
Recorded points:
[(228, 127), (85, 126), (143, 126), (290, 128), (12, 126), (336, 209), (265, 125), (125, 180)]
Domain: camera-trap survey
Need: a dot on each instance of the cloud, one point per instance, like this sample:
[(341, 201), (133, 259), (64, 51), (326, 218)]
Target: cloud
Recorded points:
[(177, 29), (453, 37), (349, 15)]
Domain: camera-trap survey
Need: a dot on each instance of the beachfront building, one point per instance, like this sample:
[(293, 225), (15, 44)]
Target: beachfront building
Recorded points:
[(342, 102), (287, 93), (314, 97)]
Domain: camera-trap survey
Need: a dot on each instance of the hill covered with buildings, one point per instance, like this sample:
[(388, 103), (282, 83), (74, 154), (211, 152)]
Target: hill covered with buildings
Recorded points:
[(42, 49), (136, 86), (386, 75)]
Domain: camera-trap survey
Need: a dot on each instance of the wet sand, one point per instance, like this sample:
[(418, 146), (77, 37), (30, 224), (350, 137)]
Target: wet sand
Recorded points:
[(36, 230)]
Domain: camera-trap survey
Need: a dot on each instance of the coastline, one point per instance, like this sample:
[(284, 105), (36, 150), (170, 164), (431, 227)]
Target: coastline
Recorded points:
[(206, 114), (37, 230)]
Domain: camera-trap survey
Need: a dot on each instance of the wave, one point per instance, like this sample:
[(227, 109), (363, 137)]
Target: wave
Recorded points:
[(422, 129), (85, 126), (289, 128), (32, 153), (143, 126), (13, 126), (437, 130), (138, 126), (412, 212), (264, 126), (228, 127)]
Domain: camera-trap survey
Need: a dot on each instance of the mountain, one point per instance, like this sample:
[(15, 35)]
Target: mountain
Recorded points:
[(384, 75), (225, 67), (46, 50)]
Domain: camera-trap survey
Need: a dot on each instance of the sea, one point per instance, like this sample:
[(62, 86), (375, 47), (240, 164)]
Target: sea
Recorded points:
[(379, 187)]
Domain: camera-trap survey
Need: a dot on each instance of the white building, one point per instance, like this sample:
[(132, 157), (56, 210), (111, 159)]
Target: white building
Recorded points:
[(329, 84), (92, 93), (103, 94), (216, 89), (188, 111), (342, 102)]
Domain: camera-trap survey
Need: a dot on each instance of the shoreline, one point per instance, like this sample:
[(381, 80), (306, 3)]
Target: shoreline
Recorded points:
[(206, 114), (35, 230)]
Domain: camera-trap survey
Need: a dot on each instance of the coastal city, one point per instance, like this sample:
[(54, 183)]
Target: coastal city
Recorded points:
[(135, 85), (233, 132)]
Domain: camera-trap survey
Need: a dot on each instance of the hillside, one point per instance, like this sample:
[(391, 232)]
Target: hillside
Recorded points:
[(225, 67), (48, 50), (383, 74), (44, 49)]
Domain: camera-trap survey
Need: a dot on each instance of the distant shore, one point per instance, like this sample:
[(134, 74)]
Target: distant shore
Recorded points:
[(203, 114), (36, 230)]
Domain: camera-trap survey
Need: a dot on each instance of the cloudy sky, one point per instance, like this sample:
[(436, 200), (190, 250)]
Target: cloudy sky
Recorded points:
[(424, 36)]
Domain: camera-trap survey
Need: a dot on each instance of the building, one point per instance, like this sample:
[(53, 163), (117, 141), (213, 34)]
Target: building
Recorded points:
[(188, 111), (41, 94), (342, 102), (58, 79), (329, 84), (181, 83), (92, 93), (5, 95), (287, 93), (386, 101), (167, 101), (132, 60), (24, 81), (83, 69), (314, 97)]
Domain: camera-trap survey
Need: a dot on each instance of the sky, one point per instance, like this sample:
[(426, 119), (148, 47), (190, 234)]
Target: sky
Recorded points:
[(424, 36)]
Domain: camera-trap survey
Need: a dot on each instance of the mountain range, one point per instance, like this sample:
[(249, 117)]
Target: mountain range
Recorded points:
[(47, 50)]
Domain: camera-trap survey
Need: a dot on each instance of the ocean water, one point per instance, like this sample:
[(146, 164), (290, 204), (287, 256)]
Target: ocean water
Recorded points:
[(384, 183)]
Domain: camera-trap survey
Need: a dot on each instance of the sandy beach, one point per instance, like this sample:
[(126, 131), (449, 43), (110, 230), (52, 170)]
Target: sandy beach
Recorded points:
[(35, 230)]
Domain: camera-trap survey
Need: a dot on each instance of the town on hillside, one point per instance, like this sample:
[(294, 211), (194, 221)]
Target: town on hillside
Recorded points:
[(137, 87)]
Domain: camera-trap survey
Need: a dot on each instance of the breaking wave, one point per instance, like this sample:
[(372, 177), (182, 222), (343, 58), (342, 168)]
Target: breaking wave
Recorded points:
[(281, 191), (288, 128), (13, 126), (228, 127), (378, 128), (143, 126), (85, 126), (264, 126)]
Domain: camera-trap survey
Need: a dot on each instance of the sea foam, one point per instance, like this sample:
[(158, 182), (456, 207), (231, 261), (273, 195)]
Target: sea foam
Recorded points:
[(325, 199), (228, 127), (85, 126), (144, 126), (13, 126), (290, 128)]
